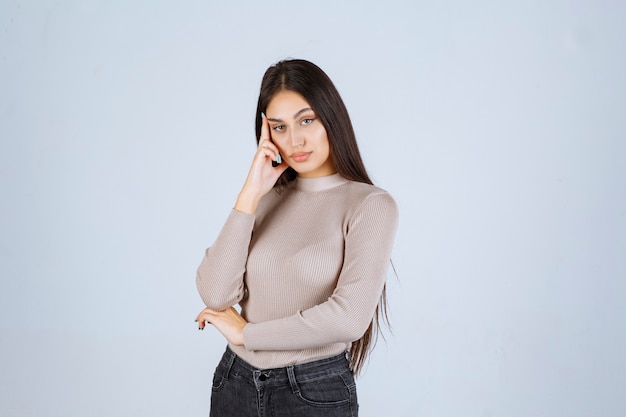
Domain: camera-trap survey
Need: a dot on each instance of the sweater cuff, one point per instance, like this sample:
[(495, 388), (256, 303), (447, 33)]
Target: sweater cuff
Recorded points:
[(238, 224), (239, 217), (250, 336)]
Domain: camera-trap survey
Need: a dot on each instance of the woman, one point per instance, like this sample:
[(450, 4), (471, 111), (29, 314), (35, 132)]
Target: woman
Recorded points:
[(304, 252)]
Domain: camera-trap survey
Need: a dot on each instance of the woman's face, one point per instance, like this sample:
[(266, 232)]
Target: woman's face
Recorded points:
[(299, 135)]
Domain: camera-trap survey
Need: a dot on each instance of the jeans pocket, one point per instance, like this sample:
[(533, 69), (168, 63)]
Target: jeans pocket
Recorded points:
[(328, 391), (220, 376), (218, 381)]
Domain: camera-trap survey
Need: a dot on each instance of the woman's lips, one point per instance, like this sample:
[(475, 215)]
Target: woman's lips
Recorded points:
[(300, 156)]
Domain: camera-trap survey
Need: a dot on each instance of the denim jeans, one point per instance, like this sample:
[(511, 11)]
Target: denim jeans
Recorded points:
[(321, 388)]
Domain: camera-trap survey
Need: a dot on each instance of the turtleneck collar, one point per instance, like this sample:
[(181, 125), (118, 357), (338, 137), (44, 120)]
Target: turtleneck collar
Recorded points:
[(319, 183)]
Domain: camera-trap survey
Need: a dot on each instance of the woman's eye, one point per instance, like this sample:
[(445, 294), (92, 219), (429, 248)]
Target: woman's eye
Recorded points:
[(279, 128), (307, 121)]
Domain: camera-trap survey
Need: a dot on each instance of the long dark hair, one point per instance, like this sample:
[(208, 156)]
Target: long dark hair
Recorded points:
[(308, 80)]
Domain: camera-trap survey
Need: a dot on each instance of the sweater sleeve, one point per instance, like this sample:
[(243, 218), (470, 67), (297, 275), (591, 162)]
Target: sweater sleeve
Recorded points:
[(346, 315), (219, 278)]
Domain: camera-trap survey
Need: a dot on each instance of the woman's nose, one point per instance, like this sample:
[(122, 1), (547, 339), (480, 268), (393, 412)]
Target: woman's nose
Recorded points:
[(297, 138)]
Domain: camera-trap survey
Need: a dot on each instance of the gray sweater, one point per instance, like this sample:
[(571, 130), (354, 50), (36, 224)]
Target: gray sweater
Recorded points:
[(307, 268)]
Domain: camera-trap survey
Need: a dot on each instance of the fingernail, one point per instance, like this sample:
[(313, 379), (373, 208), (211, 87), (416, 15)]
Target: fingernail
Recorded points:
[(279, 159), (262, 115)]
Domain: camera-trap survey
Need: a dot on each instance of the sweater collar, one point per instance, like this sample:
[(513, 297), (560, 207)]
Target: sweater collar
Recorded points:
[(319, 183)]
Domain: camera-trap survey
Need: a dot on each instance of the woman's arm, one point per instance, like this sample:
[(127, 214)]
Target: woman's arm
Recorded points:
[(219, 278), (220, 275)]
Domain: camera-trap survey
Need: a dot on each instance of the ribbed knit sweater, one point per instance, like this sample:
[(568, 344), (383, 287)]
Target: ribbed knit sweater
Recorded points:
[(307, 268)]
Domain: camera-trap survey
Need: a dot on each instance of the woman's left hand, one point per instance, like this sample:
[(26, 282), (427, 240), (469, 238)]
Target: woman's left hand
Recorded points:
[(229, 323)]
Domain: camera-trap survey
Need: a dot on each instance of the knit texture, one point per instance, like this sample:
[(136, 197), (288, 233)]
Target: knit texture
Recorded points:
[(307, 268)]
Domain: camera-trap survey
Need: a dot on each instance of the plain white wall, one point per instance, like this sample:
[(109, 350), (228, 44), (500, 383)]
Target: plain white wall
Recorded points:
[(126, 132)]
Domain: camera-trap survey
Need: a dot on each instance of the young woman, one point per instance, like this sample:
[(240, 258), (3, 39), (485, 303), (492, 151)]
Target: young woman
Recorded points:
[(305, 254)]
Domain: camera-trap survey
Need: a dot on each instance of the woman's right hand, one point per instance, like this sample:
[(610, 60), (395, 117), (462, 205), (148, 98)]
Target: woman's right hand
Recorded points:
[(262, 175)]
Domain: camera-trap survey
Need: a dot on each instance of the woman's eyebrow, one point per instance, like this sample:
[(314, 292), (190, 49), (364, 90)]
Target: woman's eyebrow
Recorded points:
[(295, 116)]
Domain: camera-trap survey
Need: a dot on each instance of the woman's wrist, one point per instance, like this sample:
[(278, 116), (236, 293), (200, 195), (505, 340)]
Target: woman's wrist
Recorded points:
[(246, 203)]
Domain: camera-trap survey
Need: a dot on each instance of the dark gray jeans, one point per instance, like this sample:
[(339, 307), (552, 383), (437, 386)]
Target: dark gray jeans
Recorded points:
[(321, 388)]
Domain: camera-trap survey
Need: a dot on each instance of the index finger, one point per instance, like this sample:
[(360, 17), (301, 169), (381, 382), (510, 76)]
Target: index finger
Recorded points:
[(265, 129)]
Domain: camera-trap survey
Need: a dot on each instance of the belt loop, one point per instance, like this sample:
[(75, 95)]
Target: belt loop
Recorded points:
[(292, 380), (229, 364)]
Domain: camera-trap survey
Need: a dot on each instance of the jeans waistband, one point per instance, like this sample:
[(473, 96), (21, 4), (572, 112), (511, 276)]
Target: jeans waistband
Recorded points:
[(233, 365)]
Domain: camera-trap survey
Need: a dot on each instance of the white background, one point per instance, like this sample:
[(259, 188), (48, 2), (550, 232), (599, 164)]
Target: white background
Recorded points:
[(126, 132)]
